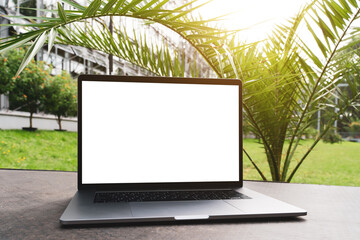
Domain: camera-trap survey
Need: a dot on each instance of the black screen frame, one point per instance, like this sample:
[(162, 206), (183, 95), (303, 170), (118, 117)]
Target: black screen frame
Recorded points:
[(157, 186)]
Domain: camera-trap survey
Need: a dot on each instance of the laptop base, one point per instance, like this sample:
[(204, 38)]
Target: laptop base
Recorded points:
[(82, 209)]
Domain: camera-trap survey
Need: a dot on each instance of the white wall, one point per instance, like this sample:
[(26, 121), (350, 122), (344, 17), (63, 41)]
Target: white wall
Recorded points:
[(18, 120)]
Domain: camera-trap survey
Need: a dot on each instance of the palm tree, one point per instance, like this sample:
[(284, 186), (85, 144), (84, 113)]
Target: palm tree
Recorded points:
[(285, 80), (296, 81)]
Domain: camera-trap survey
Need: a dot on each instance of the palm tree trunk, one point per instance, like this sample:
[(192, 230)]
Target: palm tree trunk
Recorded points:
[(276, 154)]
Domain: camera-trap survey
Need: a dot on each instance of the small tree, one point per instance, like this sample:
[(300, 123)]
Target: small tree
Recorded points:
[(28, 88), (59, 97)]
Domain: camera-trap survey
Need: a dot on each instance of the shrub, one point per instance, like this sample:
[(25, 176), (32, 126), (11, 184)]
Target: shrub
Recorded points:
[(355, 128), (332, 137), (310, 133)]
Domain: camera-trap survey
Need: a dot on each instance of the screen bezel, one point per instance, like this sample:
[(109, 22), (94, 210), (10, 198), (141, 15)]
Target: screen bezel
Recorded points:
[(157, 186)]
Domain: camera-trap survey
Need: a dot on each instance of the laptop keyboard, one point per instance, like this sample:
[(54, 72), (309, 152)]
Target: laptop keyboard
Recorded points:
[(103, 197)]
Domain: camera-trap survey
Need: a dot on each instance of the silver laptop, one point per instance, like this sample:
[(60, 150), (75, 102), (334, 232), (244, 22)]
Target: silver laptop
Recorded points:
[(162, 149)]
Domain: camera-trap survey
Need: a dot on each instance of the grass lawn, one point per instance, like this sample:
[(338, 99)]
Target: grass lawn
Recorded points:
[(332, 164), (50, 150)]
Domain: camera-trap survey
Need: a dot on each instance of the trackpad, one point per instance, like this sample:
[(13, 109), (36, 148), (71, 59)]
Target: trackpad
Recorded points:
[(182, 210)]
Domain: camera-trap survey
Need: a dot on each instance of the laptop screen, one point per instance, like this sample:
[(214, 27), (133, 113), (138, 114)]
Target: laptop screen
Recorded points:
[(146, 132)]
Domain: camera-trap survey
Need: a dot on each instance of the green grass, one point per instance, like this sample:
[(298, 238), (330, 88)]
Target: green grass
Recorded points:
[(331, 164), (50, 150)]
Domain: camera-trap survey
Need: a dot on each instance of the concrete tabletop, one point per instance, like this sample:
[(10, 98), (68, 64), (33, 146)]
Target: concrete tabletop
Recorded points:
[(31, 203)]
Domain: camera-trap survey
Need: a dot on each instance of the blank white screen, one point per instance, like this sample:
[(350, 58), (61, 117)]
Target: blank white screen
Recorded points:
[(159, 132)]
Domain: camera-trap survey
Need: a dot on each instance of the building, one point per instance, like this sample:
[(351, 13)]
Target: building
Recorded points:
[(78, 60)]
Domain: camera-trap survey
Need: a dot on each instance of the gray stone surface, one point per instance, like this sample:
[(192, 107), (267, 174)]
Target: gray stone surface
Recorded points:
[(31, 203)]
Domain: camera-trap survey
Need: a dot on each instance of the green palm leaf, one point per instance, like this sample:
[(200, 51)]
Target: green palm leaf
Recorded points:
[(178, 20), (344, 16)]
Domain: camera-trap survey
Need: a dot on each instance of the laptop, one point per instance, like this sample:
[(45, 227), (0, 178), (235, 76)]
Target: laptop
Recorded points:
[(154, 149)]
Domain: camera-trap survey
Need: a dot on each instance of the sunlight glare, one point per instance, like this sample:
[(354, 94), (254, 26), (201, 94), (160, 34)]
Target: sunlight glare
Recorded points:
[(258, 17)]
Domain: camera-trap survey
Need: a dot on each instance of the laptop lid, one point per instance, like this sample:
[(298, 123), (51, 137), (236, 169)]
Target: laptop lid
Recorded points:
[(138, 133)]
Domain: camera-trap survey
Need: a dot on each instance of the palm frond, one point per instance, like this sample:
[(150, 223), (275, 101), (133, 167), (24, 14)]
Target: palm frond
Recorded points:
[(329, 38), (196, 32)]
